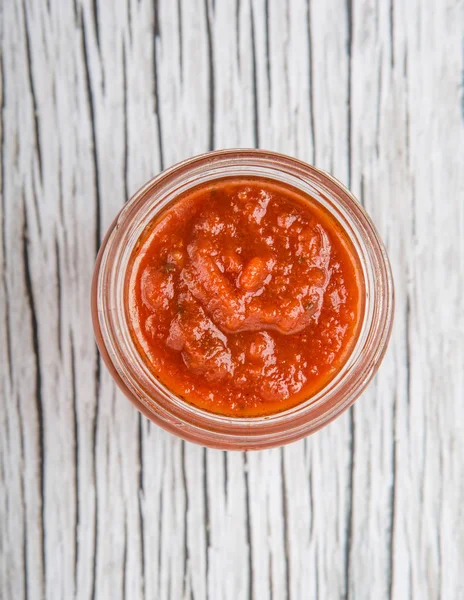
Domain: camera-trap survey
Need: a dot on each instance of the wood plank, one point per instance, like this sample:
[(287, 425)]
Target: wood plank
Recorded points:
[(96, 502)]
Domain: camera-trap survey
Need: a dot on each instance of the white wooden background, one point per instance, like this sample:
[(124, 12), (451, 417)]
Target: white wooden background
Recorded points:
[(97, 96)]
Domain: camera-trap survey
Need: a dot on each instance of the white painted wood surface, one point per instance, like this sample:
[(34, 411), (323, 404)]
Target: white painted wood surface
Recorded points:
[(95, 502)]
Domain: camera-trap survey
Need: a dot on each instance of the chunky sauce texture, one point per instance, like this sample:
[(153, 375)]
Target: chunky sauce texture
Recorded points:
[(244, 297)]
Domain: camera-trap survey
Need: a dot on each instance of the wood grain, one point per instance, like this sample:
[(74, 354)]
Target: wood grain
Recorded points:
[(96, 503)]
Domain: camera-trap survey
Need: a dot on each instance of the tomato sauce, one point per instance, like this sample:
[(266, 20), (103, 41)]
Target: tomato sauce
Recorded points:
[(244, 297)]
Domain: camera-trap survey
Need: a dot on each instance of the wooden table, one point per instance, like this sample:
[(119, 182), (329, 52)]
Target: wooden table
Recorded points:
[(95, 502)]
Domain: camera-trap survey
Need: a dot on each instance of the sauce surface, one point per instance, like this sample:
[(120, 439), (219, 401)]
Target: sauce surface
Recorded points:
[(244, 297)]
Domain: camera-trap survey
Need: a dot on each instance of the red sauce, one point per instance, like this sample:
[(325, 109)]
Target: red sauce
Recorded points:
[(244, 297)]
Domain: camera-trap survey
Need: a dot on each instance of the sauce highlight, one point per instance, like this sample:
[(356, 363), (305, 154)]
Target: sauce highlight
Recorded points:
[(244, 297)]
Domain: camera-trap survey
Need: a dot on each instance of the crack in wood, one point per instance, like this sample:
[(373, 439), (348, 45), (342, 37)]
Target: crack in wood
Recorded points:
[(285, 525), (181, 40), (248, 527), (311, 496), (255, 80), (93, 128), (157, 34), (378, 107), (9, 354), (349, 512), (268, 52), (95, 484), (58, 296), (271, 578), (60, 188), (311, 80), (362, 191), (140, 497), (207, 520), (38, 388), (392, 33), (237, 32), (76, 461), (392, 503), (349, 51), (35, 202), (129, 20), (226, 475), (124, 561), (212, 100), (97, 371), (37, 144), (160, 536), (96, 21), (125, 125), (352, 447), (186, 510), (25, 536)]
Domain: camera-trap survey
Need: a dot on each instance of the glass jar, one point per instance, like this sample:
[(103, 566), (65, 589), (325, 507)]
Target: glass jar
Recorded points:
[(157, 402)]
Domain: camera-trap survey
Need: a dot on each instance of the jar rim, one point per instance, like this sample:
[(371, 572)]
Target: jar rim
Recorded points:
[(167, 409)]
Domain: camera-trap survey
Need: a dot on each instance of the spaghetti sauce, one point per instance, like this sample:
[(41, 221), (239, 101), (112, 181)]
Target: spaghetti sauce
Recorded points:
[(244, 297)]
